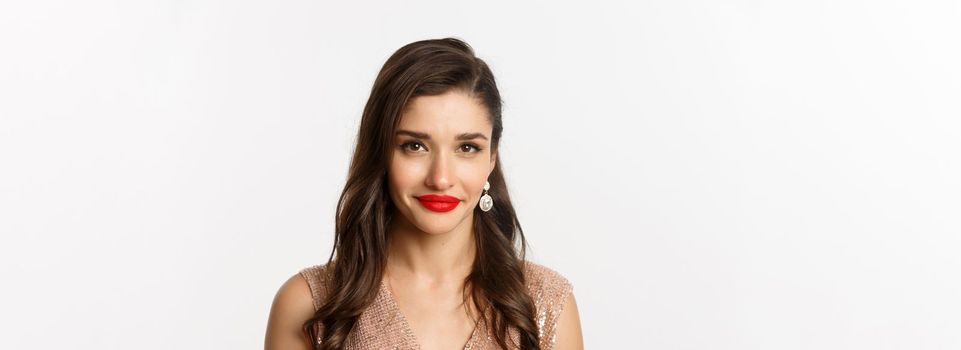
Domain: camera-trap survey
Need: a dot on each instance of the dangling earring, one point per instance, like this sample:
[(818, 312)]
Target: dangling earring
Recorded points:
[(486, 202)]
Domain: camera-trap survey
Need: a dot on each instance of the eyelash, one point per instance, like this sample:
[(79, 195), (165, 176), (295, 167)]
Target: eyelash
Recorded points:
[(405, 146)]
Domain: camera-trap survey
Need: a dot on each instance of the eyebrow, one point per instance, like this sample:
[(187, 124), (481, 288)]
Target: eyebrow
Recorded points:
[(425, 136)]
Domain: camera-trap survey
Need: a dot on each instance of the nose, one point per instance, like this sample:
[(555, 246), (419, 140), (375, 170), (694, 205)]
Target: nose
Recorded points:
[(439, 177)]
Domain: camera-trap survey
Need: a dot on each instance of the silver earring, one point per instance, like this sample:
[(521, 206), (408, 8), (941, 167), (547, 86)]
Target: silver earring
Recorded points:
[(486, 202)]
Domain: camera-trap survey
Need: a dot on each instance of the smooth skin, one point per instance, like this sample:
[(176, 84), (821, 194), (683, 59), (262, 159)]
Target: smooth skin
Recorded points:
[(442, 146)]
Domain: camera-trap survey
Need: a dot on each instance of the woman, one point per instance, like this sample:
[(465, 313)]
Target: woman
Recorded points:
[(428, 252)]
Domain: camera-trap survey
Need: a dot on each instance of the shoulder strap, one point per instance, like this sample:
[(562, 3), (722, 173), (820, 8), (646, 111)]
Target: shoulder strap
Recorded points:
[(316, 277), (549, 289)]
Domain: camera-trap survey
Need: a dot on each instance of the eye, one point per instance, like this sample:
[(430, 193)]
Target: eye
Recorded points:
[(467, 148), (413, 146)]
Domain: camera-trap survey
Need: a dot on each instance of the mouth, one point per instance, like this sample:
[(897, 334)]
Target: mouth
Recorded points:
[(438, 203)]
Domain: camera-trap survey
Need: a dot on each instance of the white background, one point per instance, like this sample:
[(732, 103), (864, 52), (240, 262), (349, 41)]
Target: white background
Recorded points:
[(736, 175)]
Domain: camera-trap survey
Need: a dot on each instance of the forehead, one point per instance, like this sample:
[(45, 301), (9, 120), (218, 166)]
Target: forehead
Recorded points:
[(450, 113)]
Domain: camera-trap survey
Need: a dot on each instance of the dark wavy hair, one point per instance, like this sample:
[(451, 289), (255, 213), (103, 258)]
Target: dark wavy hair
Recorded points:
[(364, 211)]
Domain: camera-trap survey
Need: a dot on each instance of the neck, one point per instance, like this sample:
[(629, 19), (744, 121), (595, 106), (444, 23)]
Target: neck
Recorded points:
[(435, 258)]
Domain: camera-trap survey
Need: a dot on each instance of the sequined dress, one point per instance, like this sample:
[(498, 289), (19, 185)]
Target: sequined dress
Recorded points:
[(383, 326)]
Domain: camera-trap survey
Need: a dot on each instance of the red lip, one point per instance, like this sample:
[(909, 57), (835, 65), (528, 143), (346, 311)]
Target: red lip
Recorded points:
[(438, 203)]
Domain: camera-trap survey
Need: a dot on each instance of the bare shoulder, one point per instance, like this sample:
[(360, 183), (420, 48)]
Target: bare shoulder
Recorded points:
[(569, 334), (292, 306)]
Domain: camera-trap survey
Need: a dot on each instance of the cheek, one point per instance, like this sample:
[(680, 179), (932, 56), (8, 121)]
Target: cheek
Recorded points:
[(473, 174), (403, 173)]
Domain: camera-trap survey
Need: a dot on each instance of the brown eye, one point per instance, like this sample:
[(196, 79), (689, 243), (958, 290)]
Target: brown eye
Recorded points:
[(469, 148), (412, 146)]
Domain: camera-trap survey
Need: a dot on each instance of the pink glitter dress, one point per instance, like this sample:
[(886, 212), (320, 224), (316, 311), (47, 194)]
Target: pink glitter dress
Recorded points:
[(382, 325)]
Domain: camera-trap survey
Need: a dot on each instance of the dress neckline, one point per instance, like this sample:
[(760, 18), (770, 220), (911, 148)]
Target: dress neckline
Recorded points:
[(408, 332)]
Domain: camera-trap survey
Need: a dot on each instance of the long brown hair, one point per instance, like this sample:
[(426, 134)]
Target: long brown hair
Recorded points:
[(359, 256)]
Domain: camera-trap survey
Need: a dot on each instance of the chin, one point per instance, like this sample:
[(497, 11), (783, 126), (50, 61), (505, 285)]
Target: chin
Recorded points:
[(436, 228)]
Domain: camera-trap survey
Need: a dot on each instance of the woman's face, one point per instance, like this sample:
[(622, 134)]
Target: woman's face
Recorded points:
[(440, 160)]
